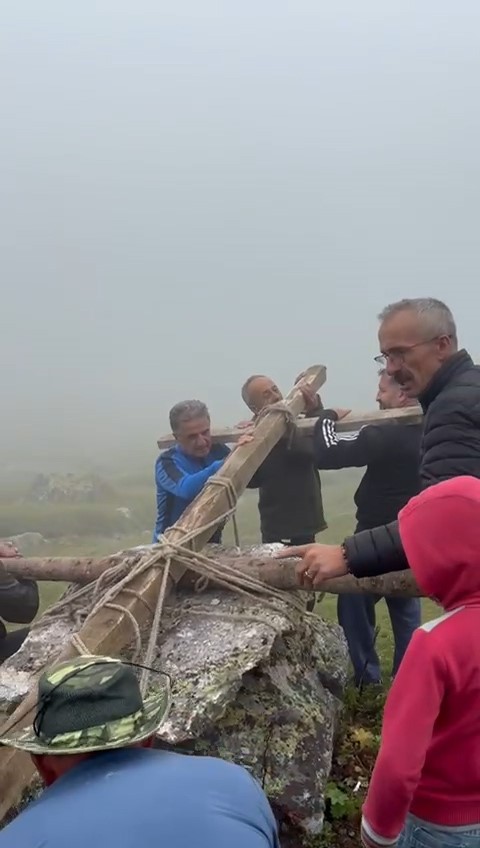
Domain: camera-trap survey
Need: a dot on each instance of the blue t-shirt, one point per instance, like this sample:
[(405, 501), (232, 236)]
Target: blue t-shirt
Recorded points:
[(140, 798), (179, 478)]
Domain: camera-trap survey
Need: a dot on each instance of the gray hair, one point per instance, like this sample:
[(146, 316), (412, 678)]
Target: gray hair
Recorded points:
[(187, 410), (384, 373), (434, 314), (246, 386), (394, 382)]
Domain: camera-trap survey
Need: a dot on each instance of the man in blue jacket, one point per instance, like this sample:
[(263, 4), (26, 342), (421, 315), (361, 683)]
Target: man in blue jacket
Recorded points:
[(91, 744), (182, 471)]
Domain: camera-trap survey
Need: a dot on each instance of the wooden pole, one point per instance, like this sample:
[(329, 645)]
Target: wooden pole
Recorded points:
[(109, 630), (352, 422), (272, 572), (81, 570)]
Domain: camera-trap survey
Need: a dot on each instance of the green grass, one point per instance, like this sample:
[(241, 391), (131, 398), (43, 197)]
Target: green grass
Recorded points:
[(97, 529)]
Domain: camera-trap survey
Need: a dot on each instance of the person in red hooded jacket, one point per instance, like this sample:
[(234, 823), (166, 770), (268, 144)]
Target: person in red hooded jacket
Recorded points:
[(425, 787)]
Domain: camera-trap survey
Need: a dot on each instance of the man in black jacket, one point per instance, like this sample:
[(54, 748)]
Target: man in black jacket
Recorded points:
[(418, 343), (18, 604), (290, 495), (391, 455)]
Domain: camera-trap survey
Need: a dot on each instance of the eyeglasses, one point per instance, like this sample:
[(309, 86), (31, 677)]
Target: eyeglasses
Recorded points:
[(398, 355)]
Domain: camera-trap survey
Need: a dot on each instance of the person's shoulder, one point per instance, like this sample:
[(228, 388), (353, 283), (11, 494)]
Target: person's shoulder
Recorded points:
[(219, 451), (23, 831), (229, 774), (459, 397), (167, 456), (407, 433), (466, 382), (169, 463)]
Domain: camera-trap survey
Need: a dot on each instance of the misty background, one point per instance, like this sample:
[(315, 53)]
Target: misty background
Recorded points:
[(195, 191)]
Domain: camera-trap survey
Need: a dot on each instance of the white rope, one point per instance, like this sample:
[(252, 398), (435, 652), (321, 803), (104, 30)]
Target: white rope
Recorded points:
[(116, 579)]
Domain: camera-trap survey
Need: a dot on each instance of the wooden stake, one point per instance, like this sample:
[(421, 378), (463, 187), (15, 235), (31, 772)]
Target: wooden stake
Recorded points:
[(353, 422), (272, 572), (108, 631)]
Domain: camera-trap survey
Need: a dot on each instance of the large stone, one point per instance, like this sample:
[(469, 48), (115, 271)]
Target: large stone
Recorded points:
[(29, 542), (69, 488), (256, 684)]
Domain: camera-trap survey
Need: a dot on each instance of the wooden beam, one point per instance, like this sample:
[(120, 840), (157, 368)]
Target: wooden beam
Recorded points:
[(81, 570), (281, 575), (272, 572), (108, 631), (353, 422)]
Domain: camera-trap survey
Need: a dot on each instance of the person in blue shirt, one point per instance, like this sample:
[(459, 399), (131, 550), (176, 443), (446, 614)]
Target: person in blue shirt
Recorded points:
[(182, 471), (91, 743)]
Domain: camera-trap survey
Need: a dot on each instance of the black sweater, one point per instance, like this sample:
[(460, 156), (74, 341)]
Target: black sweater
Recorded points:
[(290, 501), (391, 453), (19, 600), (450, 447)]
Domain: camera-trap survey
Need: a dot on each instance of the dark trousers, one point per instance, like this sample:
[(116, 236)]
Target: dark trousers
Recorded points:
[(10, 643), (308, 539), (356, 615)]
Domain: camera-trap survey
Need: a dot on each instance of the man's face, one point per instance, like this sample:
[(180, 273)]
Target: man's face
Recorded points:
[(390, 395), (412, 356), (262, 392), (194, 436)]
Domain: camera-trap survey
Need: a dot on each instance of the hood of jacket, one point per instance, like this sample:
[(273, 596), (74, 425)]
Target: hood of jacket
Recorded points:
[(440, 533)]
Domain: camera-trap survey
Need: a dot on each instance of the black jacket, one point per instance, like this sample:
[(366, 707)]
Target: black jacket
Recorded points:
[(450, 447), (392, 456), (18, 600), (290, 498)]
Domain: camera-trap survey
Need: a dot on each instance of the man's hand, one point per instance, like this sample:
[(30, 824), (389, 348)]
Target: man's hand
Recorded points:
[(318, 563), (342, 413), (244, 440), (244, 425), (8, 549), (311, 399)]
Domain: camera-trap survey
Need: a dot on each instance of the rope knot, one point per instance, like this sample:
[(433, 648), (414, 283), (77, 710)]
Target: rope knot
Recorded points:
[(282, 409)]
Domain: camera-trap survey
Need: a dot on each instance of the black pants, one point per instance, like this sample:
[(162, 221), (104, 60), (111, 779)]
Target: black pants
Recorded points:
[(10, 643), (307, 539)]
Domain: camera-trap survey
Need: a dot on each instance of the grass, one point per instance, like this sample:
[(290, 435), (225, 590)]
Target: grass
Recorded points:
[(100, 529), (97, 529)]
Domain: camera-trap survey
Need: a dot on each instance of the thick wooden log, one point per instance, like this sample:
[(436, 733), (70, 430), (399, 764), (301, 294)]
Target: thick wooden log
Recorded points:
[(352, 422), (81, 570), (281, 575), (278, 574), (109, 630)]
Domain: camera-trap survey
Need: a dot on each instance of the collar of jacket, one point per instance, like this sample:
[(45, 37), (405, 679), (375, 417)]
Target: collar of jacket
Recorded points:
[(457, 363)]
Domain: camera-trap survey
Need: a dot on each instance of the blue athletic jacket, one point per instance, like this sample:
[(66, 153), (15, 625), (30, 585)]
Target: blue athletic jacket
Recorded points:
[(179, 478)]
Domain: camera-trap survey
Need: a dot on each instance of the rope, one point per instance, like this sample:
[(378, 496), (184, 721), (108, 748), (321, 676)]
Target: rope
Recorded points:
[(116, 579), (232, 498), (282, 409)]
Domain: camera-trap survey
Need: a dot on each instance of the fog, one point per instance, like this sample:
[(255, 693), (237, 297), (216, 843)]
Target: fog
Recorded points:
[(195, 191)]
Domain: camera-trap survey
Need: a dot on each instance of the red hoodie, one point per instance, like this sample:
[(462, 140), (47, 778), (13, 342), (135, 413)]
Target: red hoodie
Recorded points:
[(429, 759)]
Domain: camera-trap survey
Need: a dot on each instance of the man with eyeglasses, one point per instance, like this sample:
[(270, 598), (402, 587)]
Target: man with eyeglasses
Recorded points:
[(419, 349)]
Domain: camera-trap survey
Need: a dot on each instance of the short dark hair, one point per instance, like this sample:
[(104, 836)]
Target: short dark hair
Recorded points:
[(187, 410), (247, 384)]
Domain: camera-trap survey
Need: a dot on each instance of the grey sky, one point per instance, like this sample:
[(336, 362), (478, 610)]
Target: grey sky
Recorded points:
[(198, 190)]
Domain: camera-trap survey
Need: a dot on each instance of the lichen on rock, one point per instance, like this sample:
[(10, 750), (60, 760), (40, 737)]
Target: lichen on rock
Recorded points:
[(254, 682), (257, 688)]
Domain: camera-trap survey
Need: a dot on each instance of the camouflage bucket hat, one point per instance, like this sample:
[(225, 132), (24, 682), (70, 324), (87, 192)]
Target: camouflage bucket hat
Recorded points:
[(91, 704)]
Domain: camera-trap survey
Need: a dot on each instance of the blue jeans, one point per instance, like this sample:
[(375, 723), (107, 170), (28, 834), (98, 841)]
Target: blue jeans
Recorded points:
[(420, 834), (356, 615)]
